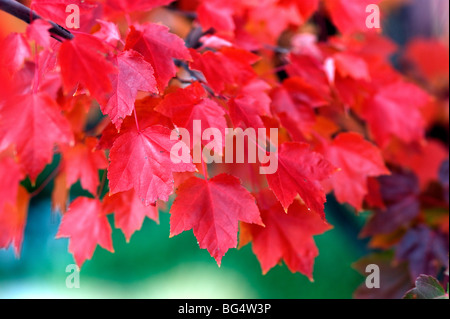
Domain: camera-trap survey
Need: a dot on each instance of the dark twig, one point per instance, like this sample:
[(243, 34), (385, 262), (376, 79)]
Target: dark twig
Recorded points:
[(26, 14), (49, 178)]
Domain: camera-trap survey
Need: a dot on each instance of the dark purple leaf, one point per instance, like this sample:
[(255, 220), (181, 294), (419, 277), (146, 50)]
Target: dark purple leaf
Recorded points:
[(425, 250), (400, 194), (394, 278)]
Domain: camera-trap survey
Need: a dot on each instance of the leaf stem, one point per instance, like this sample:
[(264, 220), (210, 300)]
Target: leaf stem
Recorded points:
[(102, 185), (136, 120), (204, 168)]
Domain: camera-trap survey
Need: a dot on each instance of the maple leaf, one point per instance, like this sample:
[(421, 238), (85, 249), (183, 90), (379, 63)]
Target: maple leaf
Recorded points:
[(55, 10), (374, 198), (212, 208), (159, 47), (349, 15), (146, 116), (227, 69), (300, 171), (77, 112), (431, 58), (352, 66), (263, 13), (129, 212), (11, 175), (14, 50), (191, 103), (312, 72), (134, 74), (305, 7), (142, 160), (294, 104), (400, 194), (424, 160), (86, 227), (427, 287), (82, 61), (36, 77), (13, 217), (287, 236), (216, 14), (357, 159), (251, 103), (38, 31), (385, 113), (13, 205), (127, 6), (33, 123), (109, 32), (394, 279), (82, 162), (425, 250)]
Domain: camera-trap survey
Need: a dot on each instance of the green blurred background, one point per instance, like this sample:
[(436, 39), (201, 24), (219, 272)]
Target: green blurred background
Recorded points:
[(152, 265)]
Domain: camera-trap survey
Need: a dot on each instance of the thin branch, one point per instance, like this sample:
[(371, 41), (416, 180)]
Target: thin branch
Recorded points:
[(49, 178), (102, 185), (26, 14)]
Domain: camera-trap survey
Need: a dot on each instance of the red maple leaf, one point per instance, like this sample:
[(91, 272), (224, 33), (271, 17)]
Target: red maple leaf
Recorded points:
[(431, 58), (82, 60), (13, 217), (13, 205), (129, 211), (212, 208), (312, 71), (11, 176), (306, 8), (14, 50), (109, 32), (159, 47), (216, 14), (33, 130), (349, 15), (135, 74), (86, 226), (385, 113), (227, 69), (146, 116), (286, 236), (250, 104), (142, 160), (350, 65), (357, 159), (186, 105), (38, 31), (423, 159), (55, 10), (294, 103), (127, 6), (300, 171), (82, 162)]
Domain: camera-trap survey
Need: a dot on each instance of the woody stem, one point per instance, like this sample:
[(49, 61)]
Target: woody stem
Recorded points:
[(26, 14)]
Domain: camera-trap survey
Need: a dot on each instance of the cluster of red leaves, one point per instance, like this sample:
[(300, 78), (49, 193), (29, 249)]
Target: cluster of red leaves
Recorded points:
[(344, 116)]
